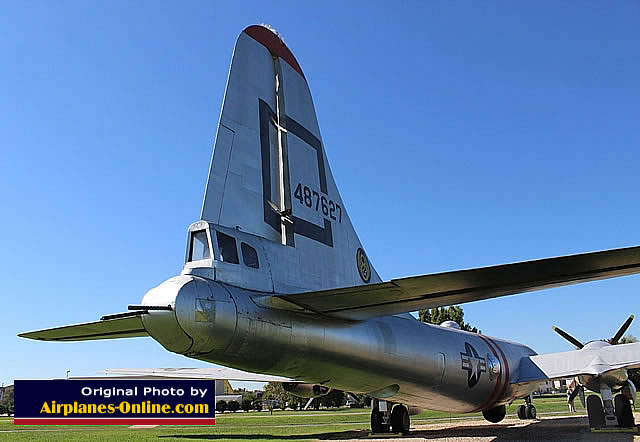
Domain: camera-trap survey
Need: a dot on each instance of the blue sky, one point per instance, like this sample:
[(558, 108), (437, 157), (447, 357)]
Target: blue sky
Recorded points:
[(461, 134)]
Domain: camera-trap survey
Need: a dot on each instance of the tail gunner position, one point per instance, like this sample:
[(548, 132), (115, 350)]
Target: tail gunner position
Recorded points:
[(277, 282)]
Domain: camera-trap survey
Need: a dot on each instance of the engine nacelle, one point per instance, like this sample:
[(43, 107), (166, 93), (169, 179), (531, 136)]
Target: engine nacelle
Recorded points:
[(306, 390)]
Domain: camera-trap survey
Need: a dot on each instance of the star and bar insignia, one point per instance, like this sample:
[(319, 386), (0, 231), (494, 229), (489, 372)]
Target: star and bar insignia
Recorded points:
[(473, 364)]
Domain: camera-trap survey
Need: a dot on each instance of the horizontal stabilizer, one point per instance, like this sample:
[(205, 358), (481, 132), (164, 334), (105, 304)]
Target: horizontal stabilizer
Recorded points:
[(457, 287), (230, 374), (129, 326), (593, 362)]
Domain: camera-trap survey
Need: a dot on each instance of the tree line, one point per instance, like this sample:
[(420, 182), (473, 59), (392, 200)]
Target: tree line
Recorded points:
[(7, 403)]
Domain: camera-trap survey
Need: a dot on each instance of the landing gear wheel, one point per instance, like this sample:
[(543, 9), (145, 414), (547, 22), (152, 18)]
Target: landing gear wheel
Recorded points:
[(624, 413), (595, 410), (376, 422), (530, 412), (522, 412), (400, 419), (495, 414)]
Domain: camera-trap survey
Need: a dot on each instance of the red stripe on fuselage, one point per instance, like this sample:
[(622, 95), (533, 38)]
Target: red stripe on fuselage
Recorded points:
[(493, 396), (506, 366), (270, 40)]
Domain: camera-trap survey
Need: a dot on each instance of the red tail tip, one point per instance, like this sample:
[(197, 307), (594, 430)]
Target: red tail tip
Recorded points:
[(272, 41)]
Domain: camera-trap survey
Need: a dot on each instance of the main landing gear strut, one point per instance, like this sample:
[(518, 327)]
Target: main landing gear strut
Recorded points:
[(385, 418)]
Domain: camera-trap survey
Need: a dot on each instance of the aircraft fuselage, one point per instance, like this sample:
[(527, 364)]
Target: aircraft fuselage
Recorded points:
[(396, 358)]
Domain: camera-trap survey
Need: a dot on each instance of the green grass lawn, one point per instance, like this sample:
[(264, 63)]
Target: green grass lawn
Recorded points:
[(282, 425)]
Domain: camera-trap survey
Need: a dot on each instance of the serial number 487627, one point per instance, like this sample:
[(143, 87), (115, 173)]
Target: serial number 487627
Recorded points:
[(314, 200)]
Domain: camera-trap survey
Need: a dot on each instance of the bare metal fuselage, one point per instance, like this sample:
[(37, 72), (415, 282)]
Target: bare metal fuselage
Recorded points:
[(393, 357)]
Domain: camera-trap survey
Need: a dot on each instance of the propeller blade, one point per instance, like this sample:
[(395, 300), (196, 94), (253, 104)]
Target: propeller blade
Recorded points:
[(308, 403), (352, 396), (622, 331), (568, 337)]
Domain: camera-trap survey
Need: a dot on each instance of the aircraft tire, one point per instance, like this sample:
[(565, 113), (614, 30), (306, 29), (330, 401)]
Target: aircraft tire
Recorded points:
[(522, 412), (595, 411), (623, 410), (400, 419), (495, 414), (376, 422), (530, 412)]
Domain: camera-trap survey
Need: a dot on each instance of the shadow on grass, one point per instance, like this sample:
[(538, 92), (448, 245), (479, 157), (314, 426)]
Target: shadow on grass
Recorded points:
[(567, 428)]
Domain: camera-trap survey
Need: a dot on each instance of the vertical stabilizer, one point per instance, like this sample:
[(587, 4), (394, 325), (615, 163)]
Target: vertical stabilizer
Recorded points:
[(269, 175)]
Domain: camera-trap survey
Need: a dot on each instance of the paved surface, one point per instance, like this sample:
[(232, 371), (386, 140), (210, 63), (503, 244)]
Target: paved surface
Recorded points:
[(551, 428)]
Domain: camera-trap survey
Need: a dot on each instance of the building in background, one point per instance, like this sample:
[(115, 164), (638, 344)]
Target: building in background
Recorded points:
[(553, 387), (224, 392)]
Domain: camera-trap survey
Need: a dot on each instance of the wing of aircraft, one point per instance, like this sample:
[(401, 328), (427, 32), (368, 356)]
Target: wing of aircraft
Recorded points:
[(230, 374), (457, 287), (593, 362)]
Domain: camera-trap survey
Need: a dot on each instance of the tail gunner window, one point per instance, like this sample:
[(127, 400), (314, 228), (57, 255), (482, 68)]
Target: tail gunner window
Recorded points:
[(228, 248), (199, 246), (249, 256)]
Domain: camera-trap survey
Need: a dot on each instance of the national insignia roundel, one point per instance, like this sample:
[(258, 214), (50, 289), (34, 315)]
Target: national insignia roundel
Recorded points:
[(362, 262)]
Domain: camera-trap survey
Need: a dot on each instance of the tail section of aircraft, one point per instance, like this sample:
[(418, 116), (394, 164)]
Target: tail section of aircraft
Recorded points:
[(269, 174), (304, 304)]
